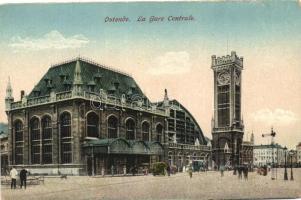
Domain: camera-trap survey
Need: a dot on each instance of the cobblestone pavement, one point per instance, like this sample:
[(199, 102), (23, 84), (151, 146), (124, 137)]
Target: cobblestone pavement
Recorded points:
[(202, 185)]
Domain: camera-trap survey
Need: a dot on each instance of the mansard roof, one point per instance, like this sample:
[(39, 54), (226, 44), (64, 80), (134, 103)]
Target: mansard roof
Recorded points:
[(60, 75)]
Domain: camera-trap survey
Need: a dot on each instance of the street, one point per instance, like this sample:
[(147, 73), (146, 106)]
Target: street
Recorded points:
[(202, 185)]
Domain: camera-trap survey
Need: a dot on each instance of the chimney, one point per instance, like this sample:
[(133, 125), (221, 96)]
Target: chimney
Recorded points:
[(22, 94)]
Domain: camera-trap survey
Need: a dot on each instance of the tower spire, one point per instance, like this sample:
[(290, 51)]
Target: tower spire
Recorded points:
[(166, 99), (9, 95)]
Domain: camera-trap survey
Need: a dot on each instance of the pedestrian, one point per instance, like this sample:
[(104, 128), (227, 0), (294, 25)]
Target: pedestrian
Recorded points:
[(239, 168), (23, 177), (112, 170), (103, 171), (168, 170), (13, 175), (124, 170), (222, 169), (246, 172), (190, 171)]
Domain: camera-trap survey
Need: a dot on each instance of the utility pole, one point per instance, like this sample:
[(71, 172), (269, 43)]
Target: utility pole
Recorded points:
[(272, 135)]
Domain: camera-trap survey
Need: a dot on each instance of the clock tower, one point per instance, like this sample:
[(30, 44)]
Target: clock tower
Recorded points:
[(227, 124)]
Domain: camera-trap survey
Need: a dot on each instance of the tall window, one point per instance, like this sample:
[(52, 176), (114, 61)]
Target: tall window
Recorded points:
[(112, 127), (92, 125), (130, 129), (19, 142), (35, 140), (66, 142), (46, 140), (145, 131), (159, 130)]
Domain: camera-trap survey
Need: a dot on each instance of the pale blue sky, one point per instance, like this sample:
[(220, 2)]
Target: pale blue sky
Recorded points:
[(172, 55)]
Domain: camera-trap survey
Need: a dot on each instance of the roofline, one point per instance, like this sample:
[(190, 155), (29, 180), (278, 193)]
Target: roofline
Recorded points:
[(92, 62)]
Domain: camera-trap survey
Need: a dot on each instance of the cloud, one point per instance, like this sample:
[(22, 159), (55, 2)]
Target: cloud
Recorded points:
[(171, 63), (278, 116), (52, 40)]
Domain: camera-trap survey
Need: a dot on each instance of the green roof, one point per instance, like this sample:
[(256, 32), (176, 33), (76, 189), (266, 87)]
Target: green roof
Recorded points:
[(104, 78)]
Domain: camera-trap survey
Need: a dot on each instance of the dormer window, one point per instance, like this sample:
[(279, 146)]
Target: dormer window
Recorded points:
[(91, 86), (112, 89), (63, 75), (49, 84), (97, 77), (116, 84), (67, 85), (36, 92)]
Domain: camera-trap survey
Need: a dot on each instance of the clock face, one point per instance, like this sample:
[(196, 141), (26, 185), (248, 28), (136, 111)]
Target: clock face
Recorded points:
[(237, 78), (223, 78)]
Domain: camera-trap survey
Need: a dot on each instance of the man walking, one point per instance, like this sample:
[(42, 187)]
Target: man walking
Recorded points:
[(13, 174), (23, 177)]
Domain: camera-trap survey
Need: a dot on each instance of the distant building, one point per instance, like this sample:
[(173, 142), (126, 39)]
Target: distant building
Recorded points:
[(268, 154), (85, 118), (4, 152), (298, 154)]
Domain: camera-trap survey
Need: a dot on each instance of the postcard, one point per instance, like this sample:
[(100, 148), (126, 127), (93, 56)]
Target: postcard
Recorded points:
[(150, 100)]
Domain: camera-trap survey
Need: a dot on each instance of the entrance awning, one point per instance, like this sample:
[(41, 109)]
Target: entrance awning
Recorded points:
[(122, 146)]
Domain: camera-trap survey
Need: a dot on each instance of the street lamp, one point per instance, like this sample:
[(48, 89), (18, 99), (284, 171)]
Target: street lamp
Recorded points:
[(291, 153), (285, 171)]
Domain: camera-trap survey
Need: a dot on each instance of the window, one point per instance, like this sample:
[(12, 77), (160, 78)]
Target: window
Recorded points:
[(92, 125), (66, 140), (130, 129), (145, 131), (18, 142), (112, 127), (46, 140), (35, 140), (159, 130)]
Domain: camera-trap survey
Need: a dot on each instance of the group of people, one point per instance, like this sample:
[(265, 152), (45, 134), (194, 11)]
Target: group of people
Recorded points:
[(14, 175), (241, 169)]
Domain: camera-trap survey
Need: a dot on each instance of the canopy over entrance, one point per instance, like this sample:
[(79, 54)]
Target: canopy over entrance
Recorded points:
[(122, 146)]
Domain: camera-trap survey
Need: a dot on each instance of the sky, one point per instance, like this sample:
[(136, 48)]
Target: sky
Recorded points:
[(168, 54)]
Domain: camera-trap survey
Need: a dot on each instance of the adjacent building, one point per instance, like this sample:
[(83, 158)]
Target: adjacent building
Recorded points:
[(4, 152), (86, 118), (298, 154)]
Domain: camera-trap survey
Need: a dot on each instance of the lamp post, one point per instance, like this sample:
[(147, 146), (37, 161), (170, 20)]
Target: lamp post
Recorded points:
[(285, 170), (291, 153)]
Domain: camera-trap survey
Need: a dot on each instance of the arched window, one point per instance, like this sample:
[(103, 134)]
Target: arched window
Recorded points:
[(35, 140), (66, 145), (19, 142), (112, 127), (145, 131), (92, 124), (130, 129), (46, 140), (159, 130)]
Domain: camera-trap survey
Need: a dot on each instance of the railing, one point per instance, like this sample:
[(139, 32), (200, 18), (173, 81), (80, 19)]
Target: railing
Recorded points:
[(222, 129), (189, 147), (38, 100), (103, 98)]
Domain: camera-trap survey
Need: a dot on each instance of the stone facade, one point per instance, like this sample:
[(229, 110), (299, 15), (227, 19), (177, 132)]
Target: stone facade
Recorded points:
[(84, 118)]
